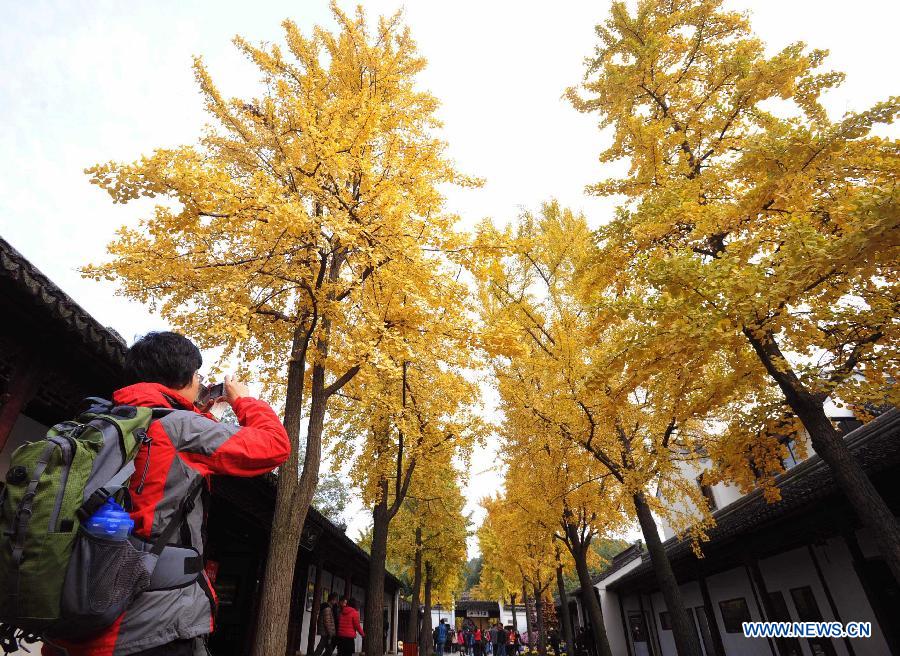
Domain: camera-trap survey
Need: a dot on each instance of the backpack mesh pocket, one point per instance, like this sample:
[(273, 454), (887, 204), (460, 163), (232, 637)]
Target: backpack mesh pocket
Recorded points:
[(103, 577), (116, 574)]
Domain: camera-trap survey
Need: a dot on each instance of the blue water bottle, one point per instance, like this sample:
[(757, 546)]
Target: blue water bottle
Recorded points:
[(110, 522)]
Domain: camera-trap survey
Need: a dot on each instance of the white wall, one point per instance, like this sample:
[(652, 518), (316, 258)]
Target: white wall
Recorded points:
[(610, 607), (723, 586), (334, 583), (389, 626), (24, 430), (733, 584), (849, 596), (443, 613), (794, 569), (781, 573), (307, 615), (506, 617), (723, 494)]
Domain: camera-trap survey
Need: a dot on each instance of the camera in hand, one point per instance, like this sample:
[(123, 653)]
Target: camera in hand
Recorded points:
[(208, 395)]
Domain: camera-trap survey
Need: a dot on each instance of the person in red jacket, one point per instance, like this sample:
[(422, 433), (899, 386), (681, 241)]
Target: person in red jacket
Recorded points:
[(348, 627), (185, 447)]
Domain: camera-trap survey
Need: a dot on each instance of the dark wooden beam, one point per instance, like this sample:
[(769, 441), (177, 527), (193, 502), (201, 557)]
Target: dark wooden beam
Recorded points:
[(23, 384), (760, 595), (317, 602), (626, 632), (834, 611), (718, 645)]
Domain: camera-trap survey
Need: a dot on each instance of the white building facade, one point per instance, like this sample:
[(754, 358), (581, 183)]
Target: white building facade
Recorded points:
[(804, 558)]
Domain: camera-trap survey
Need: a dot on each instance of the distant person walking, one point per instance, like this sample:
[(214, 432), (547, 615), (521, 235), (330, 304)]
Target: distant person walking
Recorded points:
[(512, 648), (440, 637), (327, 626), (348, 626), (501, 640)]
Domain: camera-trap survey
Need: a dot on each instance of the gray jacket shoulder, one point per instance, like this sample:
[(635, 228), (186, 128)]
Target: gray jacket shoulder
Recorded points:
[(192, 432)]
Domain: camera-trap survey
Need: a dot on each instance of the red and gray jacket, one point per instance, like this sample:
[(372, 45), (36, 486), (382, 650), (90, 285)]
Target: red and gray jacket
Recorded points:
[(184, 445)]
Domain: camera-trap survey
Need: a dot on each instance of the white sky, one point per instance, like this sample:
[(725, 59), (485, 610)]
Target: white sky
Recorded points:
[(85, 82)]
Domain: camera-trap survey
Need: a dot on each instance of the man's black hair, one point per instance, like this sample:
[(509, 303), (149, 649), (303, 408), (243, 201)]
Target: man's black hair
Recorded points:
[(166, 358)]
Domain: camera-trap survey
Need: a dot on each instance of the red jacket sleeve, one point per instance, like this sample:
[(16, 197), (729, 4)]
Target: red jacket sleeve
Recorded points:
[(357, 625), (258, 445)]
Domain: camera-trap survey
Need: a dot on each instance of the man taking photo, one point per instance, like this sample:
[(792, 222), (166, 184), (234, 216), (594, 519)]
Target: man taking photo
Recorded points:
[(184, 445)]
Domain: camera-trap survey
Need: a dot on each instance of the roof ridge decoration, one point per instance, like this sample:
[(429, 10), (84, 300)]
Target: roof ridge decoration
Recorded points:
[(32, 282)]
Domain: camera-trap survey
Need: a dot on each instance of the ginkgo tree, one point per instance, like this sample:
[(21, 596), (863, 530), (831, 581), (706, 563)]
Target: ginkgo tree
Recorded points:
[(518, 550), (753, 222), (429, 537), (595, 384), (410, 405), (572, 496), (290, 206)]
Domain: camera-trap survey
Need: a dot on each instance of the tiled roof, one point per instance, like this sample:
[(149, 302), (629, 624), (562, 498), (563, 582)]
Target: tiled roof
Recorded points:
[(487, 606), (103, 342), (257, 496), (875, 445), (59, 306), (620, 560)]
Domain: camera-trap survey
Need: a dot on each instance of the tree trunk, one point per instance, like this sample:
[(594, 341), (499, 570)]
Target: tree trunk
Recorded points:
[(855, 484), (539, 612), (591, 605), (412, 631), (868, 505), (292, 500), (529, 624), (686, 641), (426, 644), (512, 601), (578, 548), (568, 635), (374, 620), (382, 514)]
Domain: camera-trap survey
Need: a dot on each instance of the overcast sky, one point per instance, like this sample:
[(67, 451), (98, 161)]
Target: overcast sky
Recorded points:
[(85, 82)]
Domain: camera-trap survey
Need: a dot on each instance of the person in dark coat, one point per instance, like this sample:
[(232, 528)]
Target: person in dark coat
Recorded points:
[(327, 627)]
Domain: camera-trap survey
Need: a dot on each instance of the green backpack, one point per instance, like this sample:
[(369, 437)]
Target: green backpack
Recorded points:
[(57, 580)]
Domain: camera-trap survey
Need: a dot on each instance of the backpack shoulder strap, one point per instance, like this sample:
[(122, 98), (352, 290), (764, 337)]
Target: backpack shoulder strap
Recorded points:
[(109, 419), (180, 514)]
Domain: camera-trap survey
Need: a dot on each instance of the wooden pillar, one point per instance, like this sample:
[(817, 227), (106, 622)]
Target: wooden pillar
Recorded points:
[(761, 595), (834, 611), (250, 636), (621, 601), (395, 623), (314, 613), (298, 605), (23, 384), (654, 618), (718, 645), (883, 618)]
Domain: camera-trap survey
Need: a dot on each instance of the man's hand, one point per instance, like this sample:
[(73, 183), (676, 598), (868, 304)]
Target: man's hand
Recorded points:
[(235, 389)]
